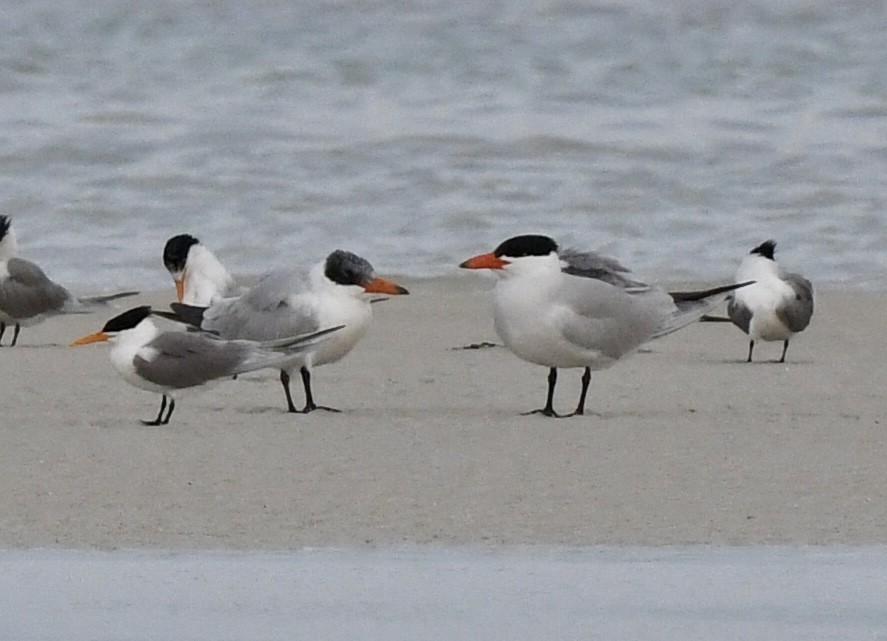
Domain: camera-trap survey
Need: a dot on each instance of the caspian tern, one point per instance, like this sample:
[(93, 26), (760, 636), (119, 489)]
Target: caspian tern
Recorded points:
[(294, 301), (579, 309), (776, 307), (166, 362), (199, 276), (28, 296)]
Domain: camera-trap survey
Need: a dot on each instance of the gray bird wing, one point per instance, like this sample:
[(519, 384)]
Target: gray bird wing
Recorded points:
[(585, 264), (277, 306), (739, 313), (796, 312), (611, 318), (28, 292), (183, 359)]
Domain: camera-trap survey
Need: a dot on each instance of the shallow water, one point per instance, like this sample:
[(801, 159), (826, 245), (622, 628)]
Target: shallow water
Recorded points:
[(419, 594), (675, 135)]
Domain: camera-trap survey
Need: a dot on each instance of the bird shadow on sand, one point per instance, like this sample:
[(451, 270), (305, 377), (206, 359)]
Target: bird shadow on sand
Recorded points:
[(23, 346), (762, 362), (475, 346)]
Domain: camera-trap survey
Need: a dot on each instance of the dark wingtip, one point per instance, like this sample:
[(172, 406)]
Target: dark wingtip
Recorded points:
[(187, 314), (5, 224), (128, 319), (706, 318), (680, 297), (765, 249)]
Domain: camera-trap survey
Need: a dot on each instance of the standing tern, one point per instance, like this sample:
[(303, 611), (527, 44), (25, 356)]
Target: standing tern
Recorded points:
[(294, 301), (579, 309), (28, 296), (199, 276), (776, 307), (167, 362)]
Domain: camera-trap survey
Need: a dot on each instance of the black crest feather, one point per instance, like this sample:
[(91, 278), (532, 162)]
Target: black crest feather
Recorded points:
[(765, 249), (346, 268), (5, 224), (175, 252), (527, 245)]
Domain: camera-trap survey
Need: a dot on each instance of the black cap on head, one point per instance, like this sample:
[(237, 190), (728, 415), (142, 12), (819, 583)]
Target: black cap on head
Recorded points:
[(346, 268), (5, 223), (128, 319), (528, 245), (765, 249), (175, 253)]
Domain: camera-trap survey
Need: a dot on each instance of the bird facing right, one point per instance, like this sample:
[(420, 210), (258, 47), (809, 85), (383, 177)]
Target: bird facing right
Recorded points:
[(564, 308), (292, 301), (776, 307)]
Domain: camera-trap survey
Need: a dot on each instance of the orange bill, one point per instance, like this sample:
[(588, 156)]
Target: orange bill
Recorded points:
[(95, 337), (180, 288), (384, 286), (484, 261)]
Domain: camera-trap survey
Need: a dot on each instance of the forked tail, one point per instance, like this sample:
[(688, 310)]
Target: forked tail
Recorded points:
[(188, 314), (691, 306)]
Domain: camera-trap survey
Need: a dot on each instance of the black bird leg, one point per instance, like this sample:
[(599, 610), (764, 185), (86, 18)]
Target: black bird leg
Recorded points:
[(160, 420), (310, 405), (784, 350), (548, 410), (751, 346), (285, 381), (586, 379)]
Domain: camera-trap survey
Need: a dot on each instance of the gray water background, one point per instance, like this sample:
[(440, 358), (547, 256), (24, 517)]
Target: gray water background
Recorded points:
[(675, 135)]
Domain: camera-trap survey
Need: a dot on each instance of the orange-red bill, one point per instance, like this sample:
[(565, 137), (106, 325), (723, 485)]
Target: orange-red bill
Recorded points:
[(484, 261), (180, 288), (384, 286), (95, 337)]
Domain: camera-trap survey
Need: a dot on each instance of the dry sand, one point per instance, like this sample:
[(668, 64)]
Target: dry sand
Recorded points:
[(689, 444)]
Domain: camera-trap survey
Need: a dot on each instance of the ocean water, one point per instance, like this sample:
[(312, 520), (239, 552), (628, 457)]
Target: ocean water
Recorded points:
[(674, 135), (431, 594)]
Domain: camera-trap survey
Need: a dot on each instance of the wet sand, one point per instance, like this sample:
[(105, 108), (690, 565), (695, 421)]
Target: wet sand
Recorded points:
[(686, 443)]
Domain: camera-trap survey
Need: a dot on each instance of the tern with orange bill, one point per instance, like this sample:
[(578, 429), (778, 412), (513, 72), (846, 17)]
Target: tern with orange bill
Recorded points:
[(567, 308), (336, 291), (199, 276), (28, 296), (167, 362)]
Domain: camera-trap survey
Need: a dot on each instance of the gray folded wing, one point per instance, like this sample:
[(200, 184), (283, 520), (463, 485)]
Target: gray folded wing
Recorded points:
[(797, 311), (591, 265), (183, 359), (611, 319), (28, 292), (275, 307), (739, 313)]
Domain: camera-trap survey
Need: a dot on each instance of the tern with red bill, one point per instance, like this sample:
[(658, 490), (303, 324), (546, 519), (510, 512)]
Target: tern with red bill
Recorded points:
[(286, 302), (166, 362), (566, 308)]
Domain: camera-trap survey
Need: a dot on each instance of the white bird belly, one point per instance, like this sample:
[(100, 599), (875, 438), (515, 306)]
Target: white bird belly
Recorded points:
[(767, 326), (533, 331), (355, 315), (763, 299)]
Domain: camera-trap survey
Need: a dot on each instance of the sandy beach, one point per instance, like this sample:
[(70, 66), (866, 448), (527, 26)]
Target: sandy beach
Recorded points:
[(686, 444)]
